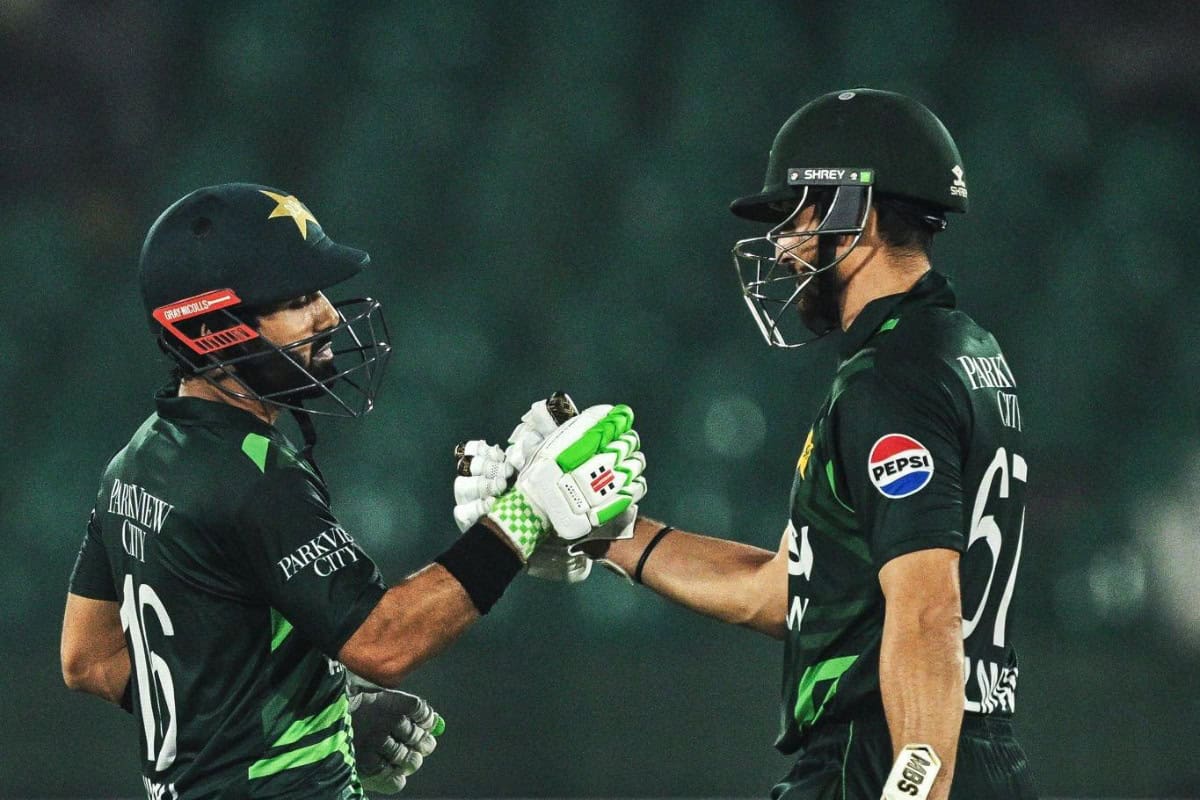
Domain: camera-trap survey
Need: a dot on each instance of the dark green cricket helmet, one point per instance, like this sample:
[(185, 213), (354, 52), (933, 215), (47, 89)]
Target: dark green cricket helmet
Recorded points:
[(222, 256), (262, 243), (842, 153), (909, 150)]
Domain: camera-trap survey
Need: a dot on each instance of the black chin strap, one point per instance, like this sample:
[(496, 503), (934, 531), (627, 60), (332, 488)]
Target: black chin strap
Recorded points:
[(309, 431)]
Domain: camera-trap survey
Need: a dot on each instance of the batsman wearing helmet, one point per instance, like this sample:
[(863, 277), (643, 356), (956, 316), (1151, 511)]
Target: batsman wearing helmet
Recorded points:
[(894, 578), (216, 597)]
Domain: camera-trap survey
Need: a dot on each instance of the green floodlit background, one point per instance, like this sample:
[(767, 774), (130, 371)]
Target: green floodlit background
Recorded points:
[(543, 189)]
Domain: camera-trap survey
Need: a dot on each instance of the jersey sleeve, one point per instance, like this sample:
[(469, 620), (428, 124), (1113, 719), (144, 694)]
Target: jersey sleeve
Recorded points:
[(304, 563), (899, 446), (91, 576)]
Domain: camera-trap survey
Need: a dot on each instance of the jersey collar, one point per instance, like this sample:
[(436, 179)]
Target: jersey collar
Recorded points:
[(197, 411), (931, 289)]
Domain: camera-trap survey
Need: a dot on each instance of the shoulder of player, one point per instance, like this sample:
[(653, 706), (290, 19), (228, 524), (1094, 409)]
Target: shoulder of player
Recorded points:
[(273, 461), (269, 471), (914, 355), (925, 340)]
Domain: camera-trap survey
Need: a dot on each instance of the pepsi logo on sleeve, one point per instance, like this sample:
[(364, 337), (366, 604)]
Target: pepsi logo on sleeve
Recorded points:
[(899, 465)]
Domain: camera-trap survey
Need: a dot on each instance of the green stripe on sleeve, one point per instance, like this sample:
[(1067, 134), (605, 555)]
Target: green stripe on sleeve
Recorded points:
[(255, 447), (833, 485)]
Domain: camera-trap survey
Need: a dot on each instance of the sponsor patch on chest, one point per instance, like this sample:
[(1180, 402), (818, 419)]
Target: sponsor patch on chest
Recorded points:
[(899, 465)]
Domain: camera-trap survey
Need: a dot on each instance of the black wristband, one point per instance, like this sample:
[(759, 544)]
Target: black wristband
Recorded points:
[(483, 564), (127, 697), (637, 571)]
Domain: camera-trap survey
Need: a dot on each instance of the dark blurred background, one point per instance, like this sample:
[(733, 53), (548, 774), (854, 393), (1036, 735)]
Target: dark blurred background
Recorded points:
[(525, 174)]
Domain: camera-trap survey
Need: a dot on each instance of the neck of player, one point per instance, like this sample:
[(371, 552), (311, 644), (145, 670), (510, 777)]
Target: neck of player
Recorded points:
[(211, 390), (872, 270)]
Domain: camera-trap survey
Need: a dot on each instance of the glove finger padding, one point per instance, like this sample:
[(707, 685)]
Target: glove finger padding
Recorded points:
[(425, 719), (417, 739), (387, 781), (467, 490), (393, 732), (586, 472), (542, 419), (483, 474), (468, 514), (401, 758), (524, 444), (637, 488), (627, 444), (538, 419), (479, 448), (488, 467), (411, 763), (482, 459)]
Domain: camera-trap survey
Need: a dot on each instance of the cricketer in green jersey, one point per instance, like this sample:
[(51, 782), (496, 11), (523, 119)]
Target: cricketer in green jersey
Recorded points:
[(893, 581), (216, 596)]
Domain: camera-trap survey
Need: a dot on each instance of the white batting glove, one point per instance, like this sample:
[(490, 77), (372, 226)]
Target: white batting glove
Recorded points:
[(541, 420), (485, 471), (487, 475), (482, 478), (557, 559), (585, 474), (394, 731), (551, 561)]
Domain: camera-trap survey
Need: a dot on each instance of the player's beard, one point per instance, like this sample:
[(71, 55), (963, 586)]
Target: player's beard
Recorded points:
[(818, 303), (273, 376)]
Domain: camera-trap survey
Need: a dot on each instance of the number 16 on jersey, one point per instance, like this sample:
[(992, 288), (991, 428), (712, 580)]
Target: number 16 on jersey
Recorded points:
[(155, 687)]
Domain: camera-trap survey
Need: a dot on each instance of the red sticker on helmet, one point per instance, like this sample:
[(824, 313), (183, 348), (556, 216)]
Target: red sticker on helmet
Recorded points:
[(172, 313)]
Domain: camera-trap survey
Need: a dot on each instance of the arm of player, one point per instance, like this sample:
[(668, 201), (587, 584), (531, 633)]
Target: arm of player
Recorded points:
[(415, 620), (94, 657), (730, 581), (419, 617), (921, 659)]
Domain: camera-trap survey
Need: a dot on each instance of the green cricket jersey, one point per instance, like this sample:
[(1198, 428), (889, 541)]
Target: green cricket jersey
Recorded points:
[(917, 446), (237, 588)]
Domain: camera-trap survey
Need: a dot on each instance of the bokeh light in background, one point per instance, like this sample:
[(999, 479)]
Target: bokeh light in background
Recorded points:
[(542, 186)]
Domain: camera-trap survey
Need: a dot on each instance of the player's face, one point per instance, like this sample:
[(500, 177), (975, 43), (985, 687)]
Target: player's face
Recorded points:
[(297, 319), (795, 244), (796, 248)]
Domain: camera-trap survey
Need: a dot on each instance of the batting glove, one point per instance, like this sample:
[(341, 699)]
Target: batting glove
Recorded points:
[(485, 471), (393, 733), (557, 559), (483, 475), (585, 474), (541, 420)]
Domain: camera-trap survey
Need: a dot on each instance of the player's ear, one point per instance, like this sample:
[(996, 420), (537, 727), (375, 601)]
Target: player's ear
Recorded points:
[(870, 225)]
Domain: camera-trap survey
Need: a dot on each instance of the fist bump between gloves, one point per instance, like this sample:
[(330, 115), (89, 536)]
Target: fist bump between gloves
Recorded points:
[(565, 478)]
